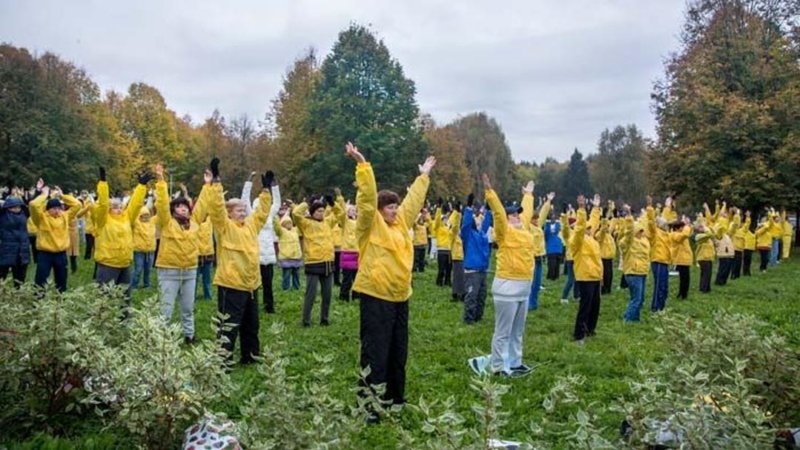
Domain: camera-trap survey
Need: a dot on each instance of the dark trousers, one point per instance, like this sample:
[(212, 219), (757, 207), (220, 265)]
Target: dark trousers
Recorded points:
[(736, 269), (608, 276), (241, 307), (87, 254), (475, 297), (553, 265), (705, 276), (34, 251), (348, 277), (57, 262), (683, 282), (747, 261), (764, 258), (18, 272), (660, 286), (445, 268), (105, 275), (337, 270), (419, 258), (384, 345), (723, 271), (623, 283), (266, 285), (326, 283), (588, 309), (458, 279)]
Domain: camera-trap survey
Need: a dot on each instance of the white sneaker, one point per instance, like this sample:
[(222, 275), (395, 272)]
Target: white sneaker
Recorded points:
[(565, 301)]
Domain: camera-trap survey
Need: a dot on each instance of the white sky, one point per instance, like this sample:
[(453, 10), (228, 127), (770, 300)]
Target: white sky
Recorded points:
[(553, 73)]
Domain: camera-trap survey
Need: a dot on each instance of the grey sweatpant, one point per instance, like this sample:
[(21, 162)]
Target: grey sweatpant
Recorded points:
[(326, 282), (510, 311), (475, 297), (171, 284), (458, 278)]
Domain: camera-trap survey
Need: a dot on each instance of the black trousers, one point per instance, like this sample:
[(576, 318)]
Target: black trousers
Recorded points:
[(57, 262), (683, 282), (337, 269), (553, 265), (18, 272), (608, 276), (764, 259), (705, 275), (747, 261), (384, 345), (724, 271), (34, 251), (87, 254), (267, 271), (419, 258), (588, 309), (241, 307), (445, 268), (736, 270), (326, 283), (345, 291)]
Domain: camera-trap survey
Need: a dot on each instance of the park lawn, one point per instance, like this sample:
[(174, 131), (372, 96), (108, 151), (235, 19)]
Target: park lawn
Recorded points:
[(440, 345)]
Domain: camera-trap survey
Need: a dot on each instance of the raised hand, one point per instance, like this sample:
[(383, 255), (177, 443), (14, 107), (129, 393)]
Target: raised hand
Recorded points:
[(159, 169), (425, 168), (144, 177), (208, 177), (352, 151), (214, 167), (528, 188), (551, 196), (337, 191), (39, 184), (102, 173), (267, 179), (581, 201), (668, 202), (649, 199), (596, 200), (486, 182)]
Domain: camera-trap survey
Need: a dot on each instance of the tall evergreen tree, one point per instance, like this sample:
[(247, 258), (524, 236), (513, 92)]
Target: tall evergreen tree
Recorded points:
[(617, 170), (575, 179)]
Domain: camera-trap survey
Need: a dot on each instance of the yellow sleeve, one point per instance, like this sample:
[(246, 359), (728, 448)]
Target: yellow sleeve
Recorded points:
[(136, 203), (366, 202), (36, 208), (527, 210), (437, 219), (299, 216), (566, 231), (594, 217), (214, 199), (544, 211), (651, 223), (341, 212), (100, 212), (162, 204), (84, 209), (72, 204), (258, 218), (276, 226), (576, 241), (455, 226), (414, 199), (499, 215)]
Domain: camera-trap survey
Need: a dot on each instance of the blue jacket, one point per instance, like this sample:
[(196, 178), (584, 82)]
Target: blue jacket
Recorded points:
[(14, 244), (476, 242), (552, 240)]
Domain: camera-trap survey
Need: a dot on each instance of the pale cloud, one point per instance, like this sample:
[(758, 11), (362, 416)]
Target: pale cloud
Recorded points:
[(554, 74)]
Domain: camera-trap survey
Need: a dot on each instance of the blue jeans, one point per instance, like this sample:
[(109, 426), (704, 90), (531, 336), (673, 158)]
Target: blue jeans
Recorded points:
[(569, 271), (204, 272), (775, 253), (290, 275), (533, 298), (141, 266), (660, 286), (636, 287)]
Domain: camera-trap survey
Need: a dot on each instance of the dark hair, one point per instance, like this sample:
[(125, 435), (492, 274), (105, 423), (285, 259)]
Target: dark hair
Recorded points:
[(315, 205), (179, 201), (386, 198)]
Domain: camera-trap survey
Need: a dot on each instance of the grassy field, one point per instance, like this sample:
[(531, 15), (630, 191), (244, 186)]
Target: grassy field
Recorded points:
[(440, 346)]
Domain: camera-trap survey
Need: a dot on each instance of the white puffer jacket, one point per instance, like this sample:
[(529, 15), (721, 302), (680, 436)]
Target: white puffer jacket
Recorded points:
[(266, 237)]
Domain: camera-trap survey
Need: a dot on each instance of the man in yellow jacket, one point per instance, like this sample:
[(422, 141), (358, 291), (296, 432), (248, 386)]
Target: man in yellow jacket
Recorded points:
[(441, 232), (635, 249), (704, 253), (52, 233), (660, 252), (786, 237), (421, 226), (588, 270), (682, 256), (144, 246), (383, 282), (237, 277)]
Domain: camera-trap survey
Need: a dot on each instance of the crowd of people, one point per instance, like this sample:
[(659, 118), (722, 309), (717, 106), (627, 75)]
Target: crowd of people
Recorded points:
[(369, 249)]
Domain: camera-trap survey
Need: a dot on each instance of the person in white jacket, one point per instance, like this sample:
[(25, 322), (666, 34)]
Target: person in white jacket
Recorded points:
[(267, 258)]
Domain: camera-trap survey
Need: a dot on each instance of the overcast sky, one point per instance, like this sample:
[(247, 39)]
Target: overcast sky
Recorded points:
[(553, 73)]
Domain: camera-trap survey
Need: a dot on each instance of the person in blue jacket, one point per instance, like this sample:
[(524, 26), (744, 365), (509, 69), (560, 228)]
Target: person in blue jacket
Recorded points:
[(476, 260), (14, 243), (553, 246)]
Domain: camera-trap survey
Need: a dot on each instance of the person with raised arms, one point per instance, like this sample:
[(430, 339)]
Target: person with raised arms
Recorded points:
[(588, 269)]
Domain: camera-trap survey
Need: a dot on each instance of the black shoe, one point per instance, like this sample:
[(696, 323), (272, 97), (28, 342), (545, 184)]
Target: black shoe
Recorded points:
[(373, 418), (269, 311), (189, 340), (306, 325), (324, 323)]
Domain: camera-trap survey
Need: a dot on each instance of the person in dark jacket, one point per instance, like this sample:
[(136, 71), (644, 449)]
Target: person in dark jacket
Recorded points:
[(14, 243), (476, 261), (554, 247)]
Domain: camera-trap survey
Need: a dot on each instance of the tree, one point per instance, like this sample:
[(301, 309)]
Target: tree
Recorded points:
[(143, 114), (617, 170), (729, 104), (550, 174), (363, 97), (575, 179), (452, 176)]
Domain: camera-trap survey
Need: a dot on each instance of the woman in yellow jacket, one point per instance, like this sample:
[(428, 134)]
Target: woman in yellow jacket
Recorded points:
[(786, 237), (114, 233), (608, 250), (383, 282), (764, 240), (749, 246), (237, 277), (635, 251), (290, 255), (441, 232), (704, 253), (738, 246), (421, 226), (456, 254), (539, 248), (588, 270), (318, 255), (144, 245), (52, 233), (682, 256), (660, 252), (348, 260)]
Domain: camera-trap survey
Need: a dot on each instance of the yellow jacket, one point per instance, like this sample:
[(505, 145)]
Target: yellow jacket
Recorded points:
[(515, 259), (288, 241), (660, 245), (788, 229), (179, 247), (336, 233), (586, 252), (205, 238), (704, 246), (681, 246), (421, 232), (538, 234), (608, 248), (635, 251), (237, 242), (565, 233), (348, 227), (740, 234), (749, 238), (114, 232), (456, 246), (441, 231), (32, 229), (86, 212), (317, 235), (763, 235), (386, 250), (52, 234), (144, 233)]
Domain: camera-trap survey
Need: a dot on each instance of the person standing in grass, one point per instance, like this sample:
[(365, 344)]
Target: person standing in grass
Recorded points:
[(457, 253), (290, 255), (704, 253), (786, 236), (14, 246), (512, 282), (682, 256), (267, 257), (383, 282), (749, 246), (52, 233), (588, 269), (635, 251), (348, 259), (608, 249), (554, 247), (660, 252), (739, 245), (539, 248), (567, 224), (441, 232), (476, 261), (764, 240), (144, 246), (237, 276), (421, 239)]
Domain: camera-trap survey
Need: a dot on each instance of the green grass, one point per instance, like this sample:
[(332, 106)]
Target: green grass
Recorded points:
[(440, 346)]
